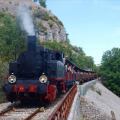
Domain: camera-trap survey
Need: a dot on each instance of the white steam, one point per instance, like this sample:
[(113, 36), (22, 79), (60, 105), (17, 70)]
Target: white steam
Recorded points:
[(25, 19)]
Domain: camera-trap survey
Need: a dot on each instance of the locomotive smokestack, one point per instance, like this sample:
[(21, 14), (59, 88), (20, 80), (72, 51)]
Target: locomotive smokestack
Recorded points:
[(31, 40)]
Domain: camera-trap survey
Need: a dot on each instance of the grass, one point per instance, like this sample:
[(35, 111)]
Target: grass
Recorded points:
[(98, 91), (93, 89)]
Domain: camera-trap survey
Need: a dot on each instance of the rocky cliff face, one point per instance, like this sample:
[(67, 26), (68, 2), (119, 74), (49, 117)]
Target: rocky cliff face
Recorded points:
[(48, 25)]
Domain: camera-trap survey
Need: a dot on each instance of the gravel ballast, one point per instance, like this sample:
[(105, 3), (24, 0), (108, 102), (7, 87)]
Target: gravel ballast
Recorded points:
[(106, 102)]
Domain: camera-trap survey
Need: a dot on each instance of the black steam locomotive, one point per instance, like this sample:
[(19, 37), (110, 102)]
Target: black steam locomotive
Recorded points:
[(40, 74)]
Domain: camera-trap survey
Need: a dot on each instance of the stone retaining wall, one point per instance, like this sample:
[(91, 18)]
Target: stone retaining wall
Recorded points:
[(84, 88), (76, 111)]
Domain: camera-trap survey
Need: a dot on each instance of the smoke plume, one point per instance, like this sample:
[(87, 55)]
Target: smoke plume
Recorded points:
[(25, 19)]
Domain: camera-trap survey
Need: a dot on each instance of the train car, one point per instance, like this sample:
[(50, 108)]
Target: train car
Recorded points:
[(40, 74)]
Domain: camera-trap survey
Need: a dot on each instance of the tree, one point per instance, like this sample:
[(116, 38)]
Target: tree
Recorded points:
[(67, 36), (43, 3), (110, 70), (12, 39)]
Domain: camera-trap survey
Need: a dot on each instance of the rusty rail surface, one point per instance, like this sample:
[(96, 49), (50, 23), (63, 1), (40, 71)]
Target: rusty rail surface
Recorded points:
[(34, 113), (62, 110), (7, 110)]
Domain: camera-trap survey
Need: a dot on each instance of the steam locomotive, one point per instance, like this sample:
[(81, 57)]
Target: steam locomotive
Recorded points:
[(40, 74)]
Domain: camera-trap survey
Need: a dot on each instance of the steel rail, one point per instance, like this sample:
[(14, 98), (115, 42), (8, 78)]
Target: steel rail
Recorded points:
[(62, 110), (34, 113), (7, 110)]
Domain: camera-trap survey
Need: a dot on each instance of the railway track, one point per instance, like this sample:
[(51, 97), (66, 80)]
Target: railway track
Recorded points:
[(27, 112), (14, 109)]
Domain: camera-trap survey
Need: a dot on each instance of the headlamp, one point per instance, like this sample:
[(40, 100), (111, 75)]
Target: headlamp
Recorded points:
[(43, 79), (12, 79)]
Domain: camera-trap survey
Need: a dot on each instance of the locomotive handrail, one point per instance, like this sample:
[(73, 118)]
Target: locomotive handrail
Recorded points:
[(62, 110)]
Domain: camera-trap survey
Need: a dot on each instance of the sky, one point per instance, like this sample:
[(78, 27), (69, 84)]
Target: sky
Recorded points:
[(93, 25)]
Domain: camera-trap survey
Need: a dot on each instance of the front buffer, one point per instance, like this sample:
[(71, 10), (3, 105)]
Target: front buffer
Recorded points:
[(41, 92)]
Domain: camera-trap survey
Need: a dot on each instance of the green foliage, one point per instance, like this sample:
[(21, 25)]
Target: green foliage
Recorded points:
[(2, 96), (53, 35), (43, 29), (41, 14), (67, 36), (97, 70), (51, 18), (12, 39), (110, 70), (39, 26), (78, 49), (12, 43), (60, 23), (1, 14), (98, 91), (3, 74), (43, 3), (50, 23), (79, 60), (56, 17)]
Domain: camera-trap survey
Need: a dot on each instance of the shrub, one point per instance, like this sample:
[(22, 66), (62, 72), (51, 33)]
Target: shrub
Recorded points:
[(50, 23), (55, 17), (59, 26), (51, 18), (6, 8), (43, 29), (53, 35), (99, 92), (40, 24), (43, 3), (1, 14), (41, 14), (46, 17), (60, 23)]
